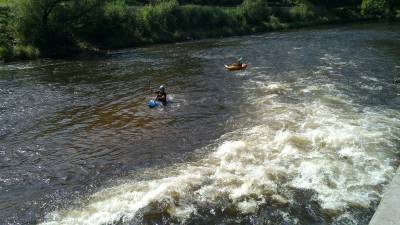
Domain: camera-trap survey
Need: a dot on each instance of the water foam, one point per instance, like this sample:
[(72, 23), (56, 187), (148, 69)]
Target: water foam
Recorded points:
[(341, 154)]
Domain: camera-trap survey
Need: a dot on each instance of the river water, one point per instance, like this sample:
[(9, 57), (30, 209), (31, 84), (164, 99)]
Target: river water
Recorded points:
[(308, 134)]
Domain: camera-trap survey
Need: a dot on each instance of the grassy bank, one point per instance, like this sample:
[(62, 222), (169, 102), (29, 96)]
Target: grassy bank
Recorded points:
[(51, 28)]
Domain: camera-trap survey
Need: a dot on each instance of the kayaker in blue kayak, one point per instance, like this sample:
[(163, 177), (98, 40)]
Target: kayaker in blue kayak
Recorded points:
[(161, 95)]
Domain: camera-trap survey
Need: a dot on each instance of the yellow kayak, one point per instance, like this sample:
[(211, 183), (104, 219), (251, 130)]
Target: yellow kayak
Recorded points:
[(235, 67)]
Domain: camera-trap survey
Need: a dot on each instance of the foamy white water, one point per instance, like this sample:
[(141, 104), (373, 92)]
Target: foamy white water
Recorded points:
[(321, 142)]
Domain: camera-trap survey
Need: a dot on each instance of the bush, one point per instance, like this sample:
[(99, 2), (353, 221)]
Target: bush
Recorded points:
[(275, 23), (6, 29), (203, 17), (335, 3), (254, 12), (25, 52), (347, 14), (301, 12), (212, 2), (374, 7), (159, 21), (51, 25), (5, 53), (115, 25)]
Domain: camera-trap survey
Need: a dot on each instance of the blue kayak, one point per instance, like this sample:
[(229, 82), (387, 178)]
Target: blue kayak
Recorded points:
[(153, 103)]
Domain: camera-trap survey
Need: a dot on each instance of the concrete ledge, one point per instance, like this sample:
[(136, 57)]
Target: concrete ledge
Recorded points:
[(388, 212)]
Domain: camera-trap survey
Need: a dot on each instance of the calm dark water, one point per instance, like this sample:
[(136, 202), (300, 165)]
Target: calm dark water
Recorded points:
[(309, 134)]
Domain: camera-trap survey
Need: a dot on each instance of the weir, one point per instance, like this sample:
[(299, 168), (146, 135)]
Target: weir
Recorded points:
[(388, 212)]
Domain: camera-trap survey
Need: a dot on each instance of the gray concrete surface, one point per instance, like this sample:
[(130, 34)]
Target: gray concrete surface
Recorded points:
[(388, 212)]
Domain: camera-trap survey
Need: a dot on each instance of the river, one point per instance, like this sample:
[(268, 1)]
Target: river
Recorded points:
[(308, 134)]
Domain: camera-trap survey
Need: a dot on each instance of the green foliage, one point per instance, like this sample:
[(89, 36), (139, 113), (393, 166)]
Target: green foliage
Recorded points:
[(4, 53), (254, 12), (6, 30), (335, 3), (18, 52), (212, 2), (50, 24), (374, 7), (346, 13), (275, 23), (112, 26), (4, 3), (302, 12), (25, 52), (206, 17), (59, 27), (159, 21)]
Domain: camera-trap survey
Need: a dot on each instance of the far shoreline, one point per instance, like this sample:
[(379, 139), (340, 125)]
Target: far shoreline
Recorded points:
[(96, 53)]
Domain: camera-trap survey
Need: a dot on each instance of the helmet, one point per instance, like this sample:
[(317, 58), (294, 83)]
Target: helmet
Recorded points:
[(162, 88)]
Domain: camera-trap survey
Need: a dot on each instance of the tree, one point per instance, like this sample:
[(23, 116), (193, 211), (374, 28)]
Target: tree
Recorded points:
[(6, 32), (6, 37), (50, 24)]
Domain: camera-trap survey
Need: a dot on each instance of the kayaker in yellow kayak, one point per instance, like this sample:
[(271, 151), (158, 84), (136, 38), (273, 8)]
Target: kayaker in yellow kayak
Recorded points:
[(238, 65), (239, 62)]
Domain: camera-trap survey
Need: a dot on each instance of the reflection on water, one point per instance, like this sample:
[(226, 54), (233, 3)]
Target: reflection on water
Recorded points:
[(307, 135)]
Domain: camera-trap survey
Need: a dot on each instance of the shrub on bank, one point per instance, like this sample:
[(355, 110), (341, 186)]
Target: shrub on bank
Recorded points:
[(21, 52), (254, 12), (159, 21), (205, 17), (25, 52), (302, 12), (276, 24), (375, 8), (4, 53), (114, 26), (347, 14), (6, 31)]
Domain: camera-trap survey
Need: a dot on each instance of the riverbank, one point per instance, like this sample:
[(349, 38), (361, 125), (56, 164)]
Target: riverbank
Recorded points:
[(118, 25)]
